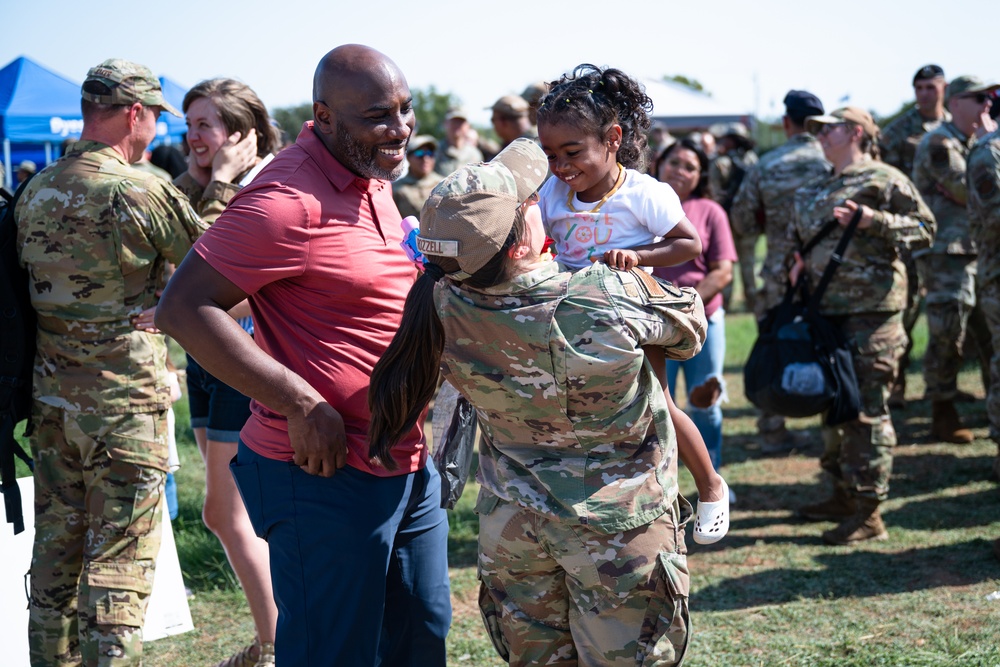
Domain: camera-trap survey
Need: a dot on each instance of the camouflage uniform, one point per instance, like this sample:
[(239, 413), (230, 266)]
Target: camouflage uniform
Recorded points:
[(948, 268), (95, 235), (209, 201), (898, 145), (410, 193), (984, 225), (765, 203), (866, 296), (581, 526), (449, 158), (722, 190), (899, 139)]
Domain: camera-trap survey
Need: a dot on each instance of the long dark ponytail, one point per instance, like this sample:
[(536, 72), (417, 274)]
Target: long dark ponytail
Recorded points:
[(405, 378)]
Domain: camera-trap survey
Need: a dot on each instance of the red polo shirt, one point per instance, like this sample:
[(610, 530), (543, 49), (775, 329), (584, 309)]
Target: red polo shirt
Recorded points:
[(317, 249)]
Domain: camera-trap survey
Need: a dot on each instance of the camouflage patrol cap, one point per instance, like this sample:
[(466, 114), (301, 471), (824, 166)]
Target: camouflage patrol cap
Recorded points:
[(456, 112), (128, 83), (469, 214), (854, 115), (965, 85), (510, 106), (534, 92), (734, 129), (419, 141)]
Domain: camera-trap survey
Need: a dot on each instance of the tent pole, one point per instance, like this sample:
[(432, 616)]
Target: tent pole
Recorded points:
[(6, 163)]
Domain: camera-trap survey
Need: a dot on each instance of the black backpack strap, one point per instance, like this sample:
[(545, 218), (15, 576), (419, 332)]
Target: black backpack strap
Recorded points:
[(836, 259), (9, 447), (8, 477), (824, 231)]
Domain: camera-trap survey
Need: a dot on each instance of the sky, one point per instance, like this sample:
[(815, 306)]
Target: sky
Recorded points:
[(747, 54)]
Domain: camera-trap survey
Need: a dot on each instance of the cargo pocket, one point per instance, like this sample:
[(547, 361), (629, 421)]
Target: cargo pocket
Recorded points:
[(247, 479), (129, 496), (666, 627), (491, 611), (119, 592)]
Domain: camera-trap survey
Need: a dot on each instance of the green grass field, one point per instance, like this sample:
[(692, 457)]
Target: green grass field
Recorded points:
[(771, 593)]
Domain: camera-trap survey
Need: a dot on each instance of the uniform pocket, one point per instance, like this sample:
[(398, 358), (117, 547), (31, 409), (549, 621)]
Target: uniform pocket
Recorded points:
[(118, 592), (490, 611), (140, 439), (666, 629), (128, 497)]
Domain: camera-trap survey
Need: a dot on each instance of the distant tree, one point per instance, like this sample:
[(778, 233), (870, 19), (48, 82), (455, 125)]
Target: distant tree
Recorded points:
[(430, 107), (693, 84), (291, 118), (885, 120)]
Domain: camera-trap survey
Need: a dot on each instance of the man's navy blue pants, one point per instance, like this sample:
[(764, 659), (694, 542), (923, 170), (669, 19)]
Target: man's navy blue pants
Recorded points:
[(359, 563)]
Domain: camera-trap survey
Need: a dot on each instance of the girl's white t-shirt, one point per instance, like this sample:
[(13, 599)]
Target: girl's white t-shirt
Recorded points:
[(641, 212)]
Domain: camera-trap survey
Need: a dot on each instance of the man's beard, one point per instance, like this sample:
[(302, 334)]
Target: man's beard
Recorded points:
[(363, 160)]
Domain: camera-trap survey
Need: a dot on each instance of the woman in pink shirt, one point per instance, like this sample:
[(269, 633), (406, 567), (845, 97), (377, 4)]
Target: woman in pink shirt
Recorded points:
[(684, 166)]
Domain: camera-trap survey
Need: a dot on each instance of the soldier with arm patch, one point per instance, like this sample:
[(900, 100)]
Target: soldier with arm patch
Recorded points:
[(582, 555), (765, 203), (948, 268), (983, 179), (95, 235)]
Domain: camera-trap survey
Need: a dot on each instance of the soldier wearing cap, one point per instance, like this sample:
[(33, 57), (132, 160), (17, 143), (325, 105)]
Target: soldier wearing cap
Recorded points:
[(901, 137), (983, 179), (411, 191), (533, 94), (897, 147), (765, 203), (725, 174), (25, 170), (866, 299), (96, 236), (460, 146), (511, 119), (578, 461), (948, 267)]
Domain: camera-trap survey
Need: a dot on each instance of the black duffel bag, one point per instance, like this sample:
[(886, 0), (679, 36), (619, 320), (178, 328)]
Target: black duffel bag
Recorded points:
[(802, 364)]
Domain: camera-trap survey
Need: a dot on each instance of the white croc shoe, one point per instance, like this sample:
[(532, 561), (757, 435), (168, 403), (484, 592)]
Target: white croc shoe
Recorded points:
[(712, 521)]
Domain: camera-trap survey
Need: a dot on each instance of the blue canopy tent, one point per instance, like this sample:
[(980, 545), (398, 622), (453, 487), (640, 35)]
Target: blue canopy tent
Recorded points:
[(170, 129), (39, 109)]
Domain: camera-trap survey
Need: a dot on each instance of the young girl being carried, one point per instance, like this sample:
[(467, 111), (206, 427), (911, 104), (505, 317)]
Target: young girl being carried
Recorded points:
[(602, 207)]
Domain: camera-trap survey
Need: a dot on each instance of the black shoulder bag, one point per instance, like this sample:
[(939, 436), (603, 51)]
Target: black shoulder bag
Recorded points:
[(802, 364)]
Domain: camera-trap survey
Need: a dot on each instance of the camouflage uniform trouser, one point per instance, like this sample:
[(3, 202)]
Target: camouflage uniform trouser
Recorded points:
[(859, 453), (98, 509), (951, 297), (989, 301), (557, 594)]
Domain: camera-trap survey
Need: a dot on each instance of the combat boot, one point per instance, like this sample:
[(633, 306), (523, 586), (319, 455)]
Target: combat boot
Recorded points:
[(946, 425), (837, 507), (782, 441), (864, 524)]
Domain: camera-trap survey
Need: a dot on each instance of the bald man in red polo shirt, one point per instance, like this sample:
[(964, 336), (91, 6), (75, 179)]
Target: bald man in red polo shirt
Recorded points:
[(358, 553)]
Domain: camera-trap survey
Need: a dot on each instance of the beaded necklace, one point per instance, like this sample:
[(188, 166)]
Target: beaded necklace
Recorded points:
[(606, 197)]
